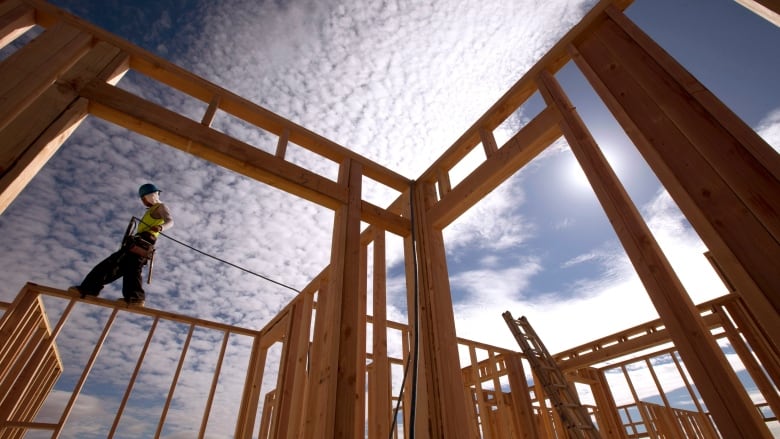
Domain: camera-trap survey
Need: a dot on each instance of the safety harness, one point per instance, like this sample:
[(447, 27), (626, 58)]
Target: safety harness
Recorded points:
[(140, 244)]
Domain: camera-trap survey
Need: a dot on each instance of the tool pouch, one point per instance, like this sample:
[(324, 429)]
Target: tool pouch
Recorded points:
[(142, 245)]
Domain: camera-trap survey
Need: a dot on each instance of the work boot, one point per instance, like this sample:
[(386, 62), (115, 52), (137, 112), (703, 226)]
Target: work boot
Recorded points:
[(132, 303)]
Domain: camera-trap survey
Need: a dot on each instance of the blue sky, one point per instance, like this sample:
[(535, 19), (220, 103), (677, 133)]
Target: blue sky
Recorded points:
[(397, 82)]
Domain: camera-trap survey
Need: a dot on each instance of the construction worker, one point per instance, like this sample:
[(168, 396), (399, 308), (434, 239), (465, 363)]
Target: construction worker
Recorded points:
[(135, 252)]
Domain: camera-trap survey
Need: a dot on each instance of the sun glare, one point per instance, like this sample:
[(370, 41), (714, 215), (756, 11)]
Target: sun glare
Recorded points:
[(574, 177)]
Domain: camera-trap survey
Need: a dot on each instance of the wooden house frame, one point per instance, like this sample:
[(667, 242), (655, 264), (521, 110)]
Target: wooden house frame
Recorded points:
[(732, 200)]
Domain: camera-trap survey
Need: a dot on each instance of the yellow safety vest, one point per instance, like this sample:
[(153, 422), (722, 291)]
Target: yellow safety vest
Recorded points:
[(147, 222)]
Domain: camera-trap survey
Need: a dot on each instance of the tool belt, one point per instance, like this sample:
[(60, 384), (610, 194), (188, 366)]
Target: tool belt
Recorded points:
[(141, 244)]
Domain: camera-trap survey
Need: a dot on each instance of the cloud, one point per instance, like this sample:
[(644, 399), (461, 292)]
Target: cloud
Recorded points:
[(496, 222), (612, 301), (497, 284), (378, 80), (769, 129)]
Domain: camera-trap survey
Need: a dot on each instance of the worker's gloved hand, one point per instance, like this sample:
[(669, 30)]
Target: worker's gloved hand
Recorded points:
[(156, 228)]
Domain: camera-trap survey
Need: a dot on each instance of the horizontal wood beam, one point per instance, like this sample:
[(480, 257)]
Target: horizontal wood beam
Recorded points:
[(384, 219), (50, 291), (174, 76), (513, 155), (147, 118), (250, 112), (309, 140), (629, 341), (137, 114), (649, 339)]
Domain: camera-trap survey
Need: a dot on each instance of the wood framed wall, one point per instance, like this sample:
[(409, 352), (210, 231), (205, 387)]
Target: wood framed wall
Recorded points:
[(504, 400), (69, 73), (29, 362)]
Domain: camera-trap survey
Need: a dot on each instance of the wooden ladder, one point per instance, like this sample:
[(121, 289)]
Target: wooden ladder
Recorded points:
[(575, 417)]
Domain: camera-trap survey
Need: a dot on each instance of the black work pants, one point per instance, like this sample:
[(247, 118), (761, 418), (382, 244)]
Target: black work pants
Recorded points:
[(120, 264)]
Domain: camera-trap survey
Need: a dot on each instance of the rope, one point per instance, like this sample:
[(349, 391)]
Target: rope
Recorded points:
[(223, 261)]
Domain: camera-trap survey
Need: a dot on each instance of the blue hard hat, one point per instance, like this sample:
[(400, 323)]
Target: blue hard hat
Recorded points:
[(147, 189)]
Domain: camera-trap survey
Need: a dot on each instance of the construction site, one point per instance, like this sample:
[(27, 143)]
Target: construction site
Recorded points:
[(336, 373)]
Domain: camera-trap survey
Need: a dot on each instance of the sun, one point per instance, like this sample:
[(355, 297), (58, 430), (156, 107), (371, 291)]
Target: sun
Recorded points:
[(574, 178)]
